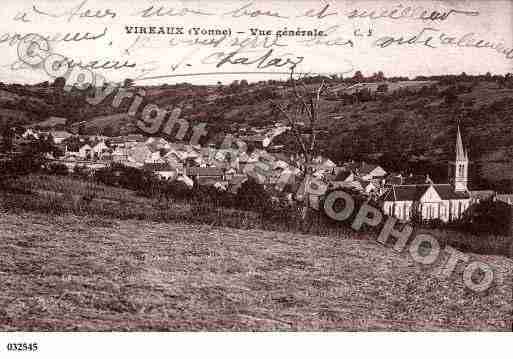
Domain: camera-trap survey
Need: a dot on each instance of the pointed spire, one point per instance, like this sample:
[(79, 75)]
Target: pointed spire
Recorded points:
[(460, 152)]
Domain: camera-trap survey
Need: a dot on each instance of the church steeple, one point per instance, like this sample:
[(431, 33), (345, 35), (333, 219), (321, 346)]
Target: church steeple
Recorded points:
[(460, 151), (460, 179)]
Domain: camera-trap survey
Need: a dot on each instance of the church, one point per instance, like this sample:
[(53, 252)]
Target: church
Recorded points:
[(446, 202)]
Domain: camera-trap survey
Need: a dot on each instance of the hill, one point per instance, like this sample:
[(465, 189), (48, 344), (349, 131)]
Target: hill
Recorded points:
[(411, 128), (85, 273)]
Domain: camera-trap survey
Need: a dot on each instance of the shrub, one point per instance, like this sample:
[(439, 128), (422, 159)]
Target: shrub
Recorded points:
[(253, 196), (491, 217), (21, 165), (57, 169), (131, 178)]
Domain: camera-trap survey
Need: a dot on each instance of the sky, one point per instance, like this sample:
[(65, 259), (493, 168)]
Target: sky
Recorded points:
[(351, 44)]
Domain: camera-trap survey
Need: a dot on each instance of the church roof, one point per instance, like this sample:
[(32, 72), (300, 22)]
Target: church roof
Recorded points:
[(446, 191), (460, 151), (415, 192), (406, 192)]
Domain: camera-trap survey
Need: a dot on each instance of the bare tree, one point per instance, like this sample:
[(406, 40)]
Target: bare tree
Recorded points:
[(304, 102)]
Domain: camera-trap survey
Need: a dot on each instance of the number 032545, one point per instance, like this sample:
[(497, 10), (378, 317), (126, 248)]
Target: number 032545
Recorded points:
[(22, 347)]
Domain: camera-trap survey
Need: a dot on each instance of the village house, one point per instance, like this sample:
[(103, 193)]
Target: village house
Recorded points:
[(60, 136), (417, 179), (155, 157), (445, 202), (394, 179), (254, 141), (163, 170), (140, 153), (205, 175), (236, 182), (127, 141), (158, 142), (173, 160), (367, 187), (340, 178), (120, 154), (30, 133), (98, 149), (506, 198), (83, 151), (229, 174), (368, 171)]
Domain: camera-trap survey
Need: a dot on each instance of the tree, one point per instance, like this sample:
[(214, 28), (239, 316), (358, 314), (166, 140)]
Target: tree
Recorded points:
[(7, 143), (108, 131), (82, 129), (380, 76), (234, 85), (382, 88), (128, 83), (358, 76), (450, 96), (305, 102), (59, 83)]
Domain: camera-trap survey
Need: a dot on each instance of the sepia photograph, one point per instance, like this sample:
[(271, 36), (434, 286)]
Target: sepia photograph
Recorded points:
[(255, 167)]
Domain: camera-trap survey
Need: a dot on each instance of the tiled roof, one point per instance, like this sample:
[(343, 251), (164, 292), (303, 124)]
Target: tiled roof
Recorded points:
[(158, 167), (364, 183), (406, 193), (61, 134), (253, 138), (446, 191), (205, 171), (342, 176), (351, 166), (415, 192), (394, 180), (367, 168), (415, 179)]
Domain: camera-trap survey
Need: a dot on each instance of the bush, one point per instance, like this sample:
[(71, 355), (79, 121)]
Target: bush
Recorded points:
[(253, 196), (81, 172), (57, 169), (131, 178), (20, 165), (490, 217)]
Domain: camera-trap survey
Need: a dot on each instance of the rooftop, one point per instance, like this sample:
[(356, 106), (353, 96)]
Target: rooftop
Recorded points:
[(415, 192)]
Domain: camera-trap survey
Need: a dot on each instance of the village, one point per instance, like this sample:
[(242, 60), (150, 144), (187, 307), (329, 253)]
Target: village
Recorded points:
[(407, 197)]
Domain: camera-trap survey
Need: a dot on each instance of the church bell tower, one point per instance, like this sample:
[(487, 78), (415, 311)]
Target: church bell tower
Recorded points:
[(460, 166)]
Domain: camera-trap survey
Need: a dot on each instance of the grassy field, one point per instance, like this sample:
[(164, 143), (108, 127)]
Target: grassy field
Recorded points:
[(58, 195), (67, 272)]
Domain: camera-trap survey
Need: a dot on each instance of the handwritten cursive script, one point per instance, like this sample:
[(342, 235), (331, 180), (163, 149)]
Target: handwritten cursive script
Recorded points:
[(78, 12)]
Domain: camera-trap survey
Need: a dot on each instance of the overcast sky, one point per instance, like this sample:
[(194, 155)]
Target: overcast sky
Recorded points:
[(155, 57)]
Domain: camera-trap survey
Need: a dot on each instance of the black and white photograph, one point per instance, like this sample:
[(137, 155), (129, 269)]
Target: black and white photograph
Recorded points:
[(244, 167)]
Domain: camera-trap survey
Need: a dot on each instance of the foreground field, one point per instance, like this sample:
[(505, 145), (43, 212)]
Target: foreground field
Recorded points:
[(86, 273)]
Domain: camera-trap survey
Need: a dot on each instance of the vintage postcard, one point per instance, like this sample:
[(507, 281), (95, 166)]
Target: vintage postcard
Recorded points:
[(252, 165)]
